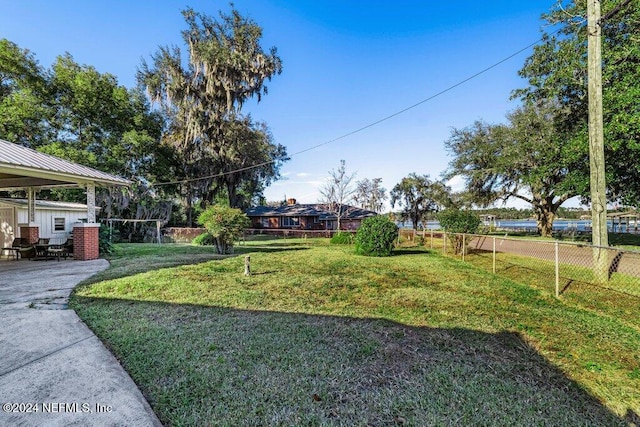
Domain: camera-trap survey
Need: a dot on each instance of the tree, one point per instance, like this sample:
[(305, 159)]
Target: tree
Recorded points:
[(249, 145), (225, 224), (202, 96), (338, 192), (24, 101), (417, 195), (527, 159), (458, 222), (74, 112), (557, 71), (370, 194)]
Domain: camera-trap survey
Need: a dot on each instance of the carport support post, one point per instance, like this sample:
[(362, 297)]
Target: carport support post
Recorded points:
[(31, 205), (91, 203), (30, 230), (86, 236), (86, 241)]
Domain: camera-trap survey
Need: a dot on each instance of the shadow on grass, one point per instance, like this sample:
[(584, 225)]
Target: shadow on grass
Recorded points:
[(400, 252), (220, 366), (268, 248)]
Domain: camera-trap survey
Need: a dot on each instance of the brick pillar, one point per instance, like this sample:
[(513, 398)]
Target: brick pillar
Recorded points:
[(86, 241), (30, 231)]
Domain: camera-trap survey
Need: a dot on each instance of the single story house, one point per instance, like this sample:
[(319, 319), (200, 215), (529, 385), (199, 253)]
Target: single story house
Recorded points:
[(55, 219), (306, 217)]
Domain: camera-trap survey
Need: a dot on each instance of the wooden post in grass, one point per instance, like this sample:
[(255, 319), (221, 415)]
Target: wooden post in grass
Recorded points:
[(247, 265), (444, 243), (464, 245), (432, 238), (494, 254)]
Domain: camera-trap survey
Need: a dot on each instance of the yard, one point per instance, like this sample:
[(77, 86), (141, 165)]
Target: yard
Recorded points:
[(319, 336)]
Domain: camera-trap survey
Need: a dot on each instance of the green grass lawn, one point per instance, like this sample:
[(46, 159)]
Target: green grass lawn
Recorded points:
[(319, 336)]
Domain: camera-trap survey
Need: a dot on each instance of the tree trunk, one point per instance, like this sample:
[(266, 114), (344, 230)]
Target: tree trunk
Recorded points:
[(189, 212), (544, 220)]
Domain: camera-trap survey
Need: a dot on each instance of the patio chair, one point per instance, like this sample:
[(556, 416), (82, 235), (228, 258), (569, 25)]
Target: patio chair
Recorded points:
[(14, 248), (41, 247), (62, 250), (20, 248)]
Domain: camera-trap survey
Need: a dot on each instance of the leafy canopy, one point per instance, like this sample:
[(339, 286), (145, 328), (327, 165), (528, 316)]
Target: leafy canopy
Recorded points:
[(528, 158), (417, 195), (557, 72), (202, 96)]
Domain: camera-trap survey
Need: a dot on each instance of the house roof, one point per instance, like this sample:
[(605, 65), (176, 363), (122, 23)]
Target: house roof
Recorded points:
[(22, 167), (45, 204), (319, 210)]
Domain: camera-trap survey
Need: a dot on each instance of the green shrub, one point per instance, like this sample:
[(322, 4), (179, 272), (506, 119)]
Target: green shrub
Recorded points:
[(225, 224), (204, 239), (342, 238), (376, 236), (105, 247), (458, 221)]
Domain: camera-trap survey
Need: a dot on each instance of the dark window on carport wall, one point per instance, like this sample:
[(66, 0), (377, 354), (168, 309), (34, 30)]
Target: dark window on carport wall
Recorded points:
[(58, 224)]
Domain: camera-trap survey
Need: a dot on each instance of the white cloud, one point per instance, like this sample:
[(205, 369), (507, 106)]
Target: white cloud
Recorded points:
[(456, 183)]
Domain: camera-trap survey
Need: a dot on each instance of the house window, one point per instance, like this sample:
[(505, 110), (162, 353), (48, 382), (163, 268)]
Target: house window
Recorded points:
[(291, 221), (264, 222), (58, 224)]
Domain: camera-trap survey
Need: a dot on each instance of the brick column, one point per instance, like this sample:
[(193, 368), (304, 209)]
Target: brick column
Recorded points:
[(86, 241), (30, 231)]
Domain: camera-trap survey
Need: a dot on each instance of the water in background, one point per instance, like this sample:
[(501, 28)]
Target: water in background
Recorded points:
[(530, 225)]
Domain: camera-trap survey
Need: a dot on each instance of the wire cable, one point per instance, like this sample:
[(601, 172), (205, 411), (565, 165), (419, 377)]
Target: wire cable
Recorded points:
[(370, 125)]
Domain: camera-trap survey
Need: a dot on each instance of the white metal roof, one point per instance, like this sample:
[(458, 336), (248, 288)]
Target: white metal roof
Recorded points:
[(45, 204), (22, 167)]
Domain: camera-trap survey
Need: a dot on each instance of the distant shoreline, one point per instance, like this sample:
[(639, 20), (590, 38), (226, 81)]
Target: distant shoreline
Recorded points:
[(530, 225)]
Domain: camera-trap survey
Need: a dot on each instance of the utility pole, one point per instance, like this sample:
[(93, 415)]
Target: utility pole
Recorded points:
[(596, 144)]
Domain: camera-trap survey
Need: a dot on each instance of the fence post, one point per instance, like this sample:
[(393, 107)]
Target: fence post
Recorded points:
[(432, 238), (464, 245), (444, 243), (557, 269), (494, 254)]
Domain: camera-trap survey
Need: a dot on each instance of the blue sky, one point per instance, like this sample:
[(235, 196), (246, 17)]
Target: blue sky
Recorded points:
[(346, 65)]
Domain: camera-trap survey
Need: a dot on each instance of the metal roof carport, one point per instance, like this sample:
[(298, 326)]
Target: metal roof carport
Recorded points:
[(22, 168)]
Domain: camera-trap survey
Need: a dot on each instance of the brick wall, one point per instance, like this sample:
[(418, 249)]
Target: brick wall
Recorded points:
[(30, 232), (86, 240), (181, 234)]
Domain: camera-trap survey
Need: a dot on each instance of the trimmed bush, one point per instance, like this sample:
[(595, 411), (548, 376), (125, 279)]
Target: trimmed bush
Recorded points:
[(458, 221), (204, 239), (225, 224), (376, 236), (342, 238)]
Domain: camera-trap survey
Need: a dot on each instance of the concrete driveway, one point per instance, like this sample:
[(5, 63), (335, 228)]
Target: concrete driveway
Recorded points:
[(53, 370)]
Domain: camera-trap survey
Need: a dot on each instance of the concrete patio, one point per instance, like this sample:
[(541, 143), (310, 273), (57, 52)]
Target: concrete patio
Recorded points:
[(50, 362)]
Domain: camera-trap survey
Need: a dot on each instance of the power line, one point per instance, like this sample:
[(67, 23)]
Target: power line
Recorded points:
[(372, 124)]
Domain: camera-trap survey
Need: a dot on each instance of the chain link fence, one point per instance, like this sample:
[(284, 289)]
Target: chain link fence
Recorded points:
[(555, 265)]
